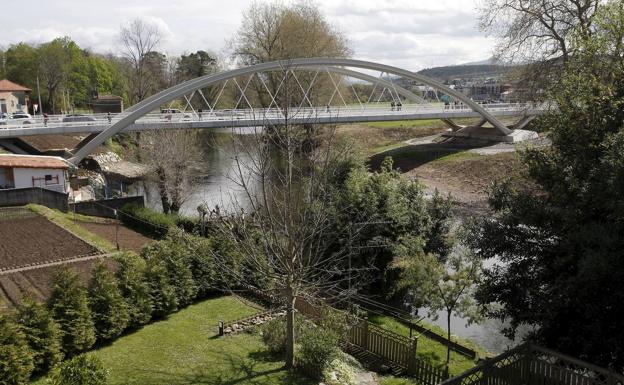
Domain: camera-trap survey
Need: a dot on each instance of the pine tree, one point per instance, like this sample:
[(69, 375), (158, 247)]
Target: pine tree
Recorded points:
[(173, 253), (16, 358), (70, 308), (80, 370), (42, 334), (134, 288), (108, 308), (162, 292)]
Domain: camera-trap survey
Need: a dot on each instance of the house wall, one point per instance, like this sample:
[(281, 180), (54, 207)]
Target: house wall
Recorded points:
[(12, 103), (23, 178)]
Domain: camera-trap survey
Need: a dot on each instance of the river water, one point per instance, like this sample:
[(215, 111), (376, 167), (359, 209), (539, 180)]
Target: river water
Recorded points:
[(217, 187)]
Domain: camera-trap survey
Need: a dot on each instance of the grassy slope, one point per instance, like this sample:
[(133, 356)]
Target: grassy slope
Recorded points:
[(432, 351), (66, 220), (184, 350)]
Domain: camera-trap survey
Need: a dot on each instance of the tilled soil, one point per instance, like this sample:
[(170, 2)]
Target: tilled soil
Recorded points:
[(29, 239), (128, 239), (37, 282)]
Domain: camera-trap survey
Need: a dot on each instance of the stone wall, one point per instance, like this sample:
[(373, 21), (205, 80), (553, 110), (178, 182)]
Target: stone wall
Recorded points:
[(105, 207), (41, 196)]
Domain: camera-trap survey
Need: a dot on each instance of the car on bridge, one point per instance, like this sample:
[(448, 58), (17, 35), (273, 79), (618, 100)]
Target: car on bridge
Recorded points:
[(78, 118), (21, 118)]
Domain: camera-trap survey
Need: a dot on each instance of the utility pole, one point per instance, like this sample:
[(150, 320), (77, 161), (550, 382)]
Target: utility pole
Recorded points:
[(39, 97)]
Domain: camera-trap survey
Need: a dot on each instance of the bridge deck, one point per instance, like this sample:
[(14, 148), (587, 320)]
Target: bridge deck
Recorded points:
[(251, 118)]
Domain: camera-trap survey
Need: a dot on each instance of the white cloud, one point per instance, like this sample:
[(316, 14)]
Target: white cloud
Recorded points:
[(407, 33)]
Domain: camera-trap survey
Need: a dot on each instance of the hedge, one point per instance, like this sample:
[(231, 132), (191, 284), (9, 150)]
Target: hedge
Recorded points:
[(154, 223)]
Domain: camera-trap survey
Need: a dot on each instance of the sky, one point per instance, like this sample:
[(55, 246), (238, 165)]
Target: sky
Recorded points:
[(412, 34)]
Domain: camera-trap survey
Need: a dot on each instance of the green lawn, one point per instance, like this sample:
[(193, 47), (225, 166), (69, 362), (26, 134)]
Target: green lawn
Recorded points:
[(428, 349), (184, 349)]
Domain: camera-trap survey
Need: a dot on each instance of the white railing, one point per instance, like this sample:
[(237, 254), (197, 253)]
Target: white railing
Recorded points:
[(38, 121)]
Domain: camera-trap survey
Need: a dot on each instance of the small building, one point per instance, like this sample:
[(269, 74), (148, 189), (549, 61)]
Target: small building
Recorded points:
[(102, 104), (13, 97), (24, 171)]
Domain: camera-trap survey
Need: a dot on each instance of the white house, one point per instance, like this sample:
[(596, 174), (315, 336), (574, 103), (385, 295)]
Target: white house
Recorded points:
[(22, 171)]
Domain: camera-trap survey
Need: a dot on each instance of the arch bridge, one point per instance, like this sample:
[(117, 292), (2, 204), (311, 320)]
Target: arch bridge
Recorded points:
[(297, 91)]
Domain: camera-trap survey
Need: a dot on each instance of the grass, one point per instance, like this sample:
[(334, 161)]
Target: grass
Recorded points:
[(389, 380), (66, 221), (184, 349), (430, 350)]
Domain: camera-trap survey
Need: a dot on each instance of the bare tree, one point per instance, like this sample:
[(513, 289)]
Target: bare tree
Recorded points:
[(287, 230), (139, 38), (536, 30), (172, 155)]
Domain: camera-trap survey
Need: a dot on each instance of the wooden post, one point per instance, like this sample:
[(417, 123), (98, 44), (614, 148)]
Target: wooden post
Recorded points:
[(221, 328), (365, 334), (411, 366)]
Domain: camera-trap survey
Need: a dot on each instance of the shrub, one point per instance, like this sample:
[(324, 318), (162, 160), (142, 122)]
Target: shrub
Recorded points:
[(80, 370), (42, 334), (147, 221), (318, 346), (341, 370), (70, 309), (16, 361), (108, 307), (274, 336), (134, 288), (155, 223)]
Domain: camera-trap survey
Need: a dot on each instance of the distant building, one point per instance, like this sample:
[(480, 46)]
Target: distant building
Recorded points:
[(23, 171), (13, 97), (102, 104)]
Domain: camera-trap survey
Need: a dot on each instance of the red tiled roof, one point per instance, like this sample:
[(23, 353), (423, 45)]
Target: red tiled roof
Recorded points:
[(32, 161), (7, 85)]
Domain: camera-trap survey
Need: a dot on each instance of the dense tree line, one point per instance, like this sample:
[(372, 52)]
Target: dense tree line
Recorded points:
[(559, 239), (70, 77), (168, 276)]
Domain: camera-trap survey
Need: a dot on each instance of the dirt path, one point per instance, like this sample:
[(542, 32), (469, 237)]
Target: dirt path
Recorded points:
[(55, 263)]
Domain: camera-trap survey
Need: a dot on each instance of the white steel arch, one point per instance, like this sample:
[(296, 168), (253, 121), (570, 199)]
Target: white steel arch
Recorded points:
[(332, 64)]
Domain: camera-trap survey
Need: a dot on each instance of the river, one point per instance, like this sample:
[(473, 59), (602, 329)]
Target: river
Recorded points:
[(217, 188)]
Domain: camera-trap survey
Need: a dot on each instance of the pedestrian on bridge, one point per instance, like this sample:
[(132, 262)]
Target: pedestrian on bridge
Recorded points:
[(399, 105), (45, 119), (392, 106), (109, 117), (199, 114)]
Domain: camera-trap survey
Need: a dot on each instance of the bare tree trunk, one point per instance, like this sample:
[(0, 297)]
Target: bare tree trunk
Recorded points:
[(448, 336), (290, 327), (162, 188)]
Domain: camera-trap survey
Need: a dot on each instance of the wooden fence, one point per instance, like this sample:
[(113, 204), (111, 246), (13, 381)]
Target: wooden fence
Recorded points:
[(388, 346), (534, 365)]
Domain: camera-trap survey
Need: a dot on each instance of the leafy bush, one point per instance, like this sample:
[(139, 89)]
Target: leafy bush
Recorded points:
[(108, 307), (155, 223), (342, 370), (16, 362), (274, 336), (147, 221), (70, 309), (42, 334), (318, 347), (80, 370)]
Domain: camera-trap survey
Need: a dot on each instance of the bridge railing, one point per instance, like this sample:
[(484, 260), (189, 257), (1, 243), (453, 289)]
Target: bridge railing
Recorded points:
[(375, 109)]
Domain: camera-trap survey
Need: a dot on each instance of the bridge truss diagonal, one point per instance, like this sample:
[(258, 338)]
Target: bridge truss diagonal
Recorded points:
[(335, 70)]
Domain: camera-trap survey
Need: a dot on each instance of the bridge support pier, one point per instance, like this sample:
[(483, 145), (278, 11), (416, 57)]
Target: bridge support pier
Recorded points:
[(491, 135)]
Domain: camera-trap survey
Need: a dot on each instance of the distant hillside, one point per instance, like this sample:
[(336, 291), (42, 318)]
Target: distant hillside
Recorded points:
[(448, 73)]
